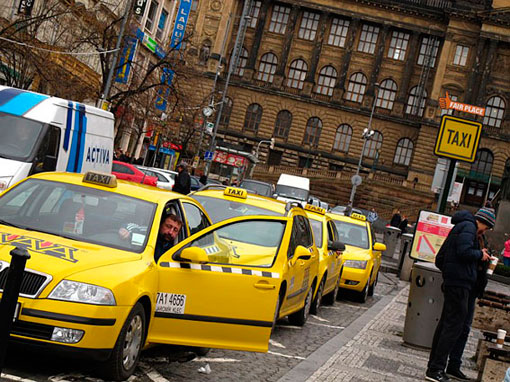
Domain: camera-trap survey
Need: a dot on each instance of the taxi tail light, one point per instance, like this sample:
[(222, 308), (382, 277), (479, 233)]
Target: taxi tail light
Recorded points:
[(66, 335)]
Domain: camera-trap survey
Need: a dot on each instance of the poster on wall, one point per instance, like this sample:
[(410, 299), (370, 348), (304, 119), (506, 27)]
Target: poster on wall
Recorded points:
[(432, 229)]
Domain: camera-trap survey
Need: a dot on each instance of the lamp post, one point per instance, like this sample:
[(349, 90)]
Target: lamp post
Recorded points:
[(368, 133), (271, 146)]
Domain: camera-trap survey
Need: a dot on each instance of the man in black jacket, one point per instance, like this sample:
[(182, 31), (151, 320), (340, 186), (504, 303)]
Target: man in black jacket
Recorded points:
[(182, 180), (462, 256)]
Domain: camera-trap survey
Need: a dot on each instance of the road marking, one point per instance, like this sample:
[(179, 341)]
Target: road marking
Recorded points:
[(289, 327), (327, 326), (152, 374), (276, 344), (219, 360), (15, 378), (319, 318), (285, 355)]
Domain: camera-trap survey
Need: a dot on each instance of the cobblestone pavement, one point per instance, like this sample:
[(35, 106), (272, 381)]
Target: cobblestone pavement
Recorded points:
[(289, 346)]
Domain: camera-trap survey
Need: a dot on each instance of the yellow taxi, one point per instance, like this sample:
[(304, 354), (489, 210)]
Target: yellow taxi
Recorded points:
[(298, 268), (330, 256), (361, 260), (89, 290)]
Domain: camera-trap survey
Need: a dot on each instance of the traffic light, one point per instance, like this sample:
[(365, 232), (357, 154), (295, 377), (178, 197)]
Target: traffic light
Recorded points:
[(271, 146)]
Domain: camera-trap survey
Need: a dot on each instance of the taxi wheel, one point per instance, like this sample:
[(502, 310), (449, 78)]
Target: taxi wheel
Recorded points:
[(127, 350), (372, 287), (299, 318), (318, 297), (364, 293), (331, 297)]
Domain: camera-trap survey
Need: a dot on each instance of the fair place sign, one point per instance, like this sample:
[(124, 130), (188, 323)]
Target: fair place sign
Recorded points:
[(458, 138)]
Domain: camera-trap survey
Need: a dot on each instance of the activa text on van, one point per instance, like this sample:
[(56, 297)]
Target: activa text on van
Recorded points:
[(42, 133)]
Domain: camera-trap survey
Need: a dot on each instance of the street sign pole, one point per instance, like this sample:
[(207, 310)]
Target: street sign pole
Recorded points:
[(446, 190)]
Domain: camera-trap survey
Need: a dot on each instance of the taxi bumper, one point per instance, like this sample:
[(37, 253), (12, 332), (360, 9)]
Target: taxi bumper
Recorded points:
[(353, 278)]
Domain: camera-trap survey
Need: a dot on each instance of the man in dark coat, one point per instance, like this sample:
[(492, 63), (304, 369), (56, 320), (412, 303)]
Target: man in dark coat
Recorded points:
[(182, 183), (463, 253), (396, 219)]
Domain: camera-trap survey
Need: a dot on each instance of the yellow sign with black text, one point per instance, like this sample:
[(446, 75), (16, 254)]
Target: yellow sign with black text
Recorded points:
[(458, 138)]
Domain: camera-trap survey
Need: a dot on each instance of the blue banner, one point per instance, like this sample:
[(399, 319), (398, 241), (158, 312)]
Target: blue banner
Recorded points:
[(166, 78), (126, 60), (180, 24)]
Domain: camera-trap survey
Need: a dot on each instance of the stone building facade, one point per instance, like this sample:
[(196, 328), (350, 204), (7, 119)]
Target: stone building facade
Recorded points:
[(310, 72)]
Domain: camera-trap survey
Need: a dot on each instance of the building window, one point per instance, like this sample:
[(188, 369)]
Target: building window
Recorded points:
[(356, 87), (386, 94), (368, 38), (313, 132), (267, 67), (162, 24), (461, 54), (226, 112), (305, 162), (282, 124), (327, 81), (194, 5), (297, 74), (338, 32), (398, 45), (275, 158), (404, 152), (428, 51), (253, 117), (416, 101), (373, 145), (254, 14), (483, 162), (151, 16), (449, 111), (279, 19), (343, 138), (241, 63), (309, 25), (494, 112)]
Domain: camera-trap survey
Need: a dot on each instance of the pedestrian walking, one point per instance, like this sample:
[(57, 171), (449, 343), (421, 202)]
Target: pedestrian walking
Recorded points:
[(182, 183), (506, 252), (396, 219), (372, 215), (403, 224), (460, 261)]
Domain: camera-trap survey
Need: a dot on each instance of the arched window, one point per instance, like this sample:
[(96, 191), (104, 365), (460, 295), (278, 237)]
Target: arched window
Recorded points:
[(226, 112), (253, 117), (416, 101), (297, 74), (373, 145), (404, 152), (327, 81), (494, 112), (313, 131), (282, 124), (267, 67), (483, 162), (343, 138), (356, 87), (386, 94), (241, 63)]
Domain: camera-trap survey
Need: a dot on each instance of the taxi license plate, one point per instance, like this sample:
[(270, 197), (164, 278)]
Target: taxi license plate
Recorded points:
[(16, 312), (171, 303)]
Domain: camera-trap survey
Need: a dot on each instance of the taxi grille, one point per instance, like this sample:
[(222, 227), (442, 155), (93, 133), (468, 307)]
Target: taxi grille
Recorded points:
[(32, 329), (30, 285)]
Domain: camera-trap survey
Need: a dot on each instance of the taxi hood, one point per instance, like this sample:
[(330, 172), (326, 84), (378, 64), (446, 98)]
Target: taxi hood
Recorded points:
[(58, 256), (355, 253)]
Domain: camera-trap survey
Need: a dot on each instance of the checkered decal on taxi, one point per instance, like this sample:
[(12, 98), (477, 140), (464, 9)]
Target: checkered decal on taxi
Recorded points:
[(221, 269)]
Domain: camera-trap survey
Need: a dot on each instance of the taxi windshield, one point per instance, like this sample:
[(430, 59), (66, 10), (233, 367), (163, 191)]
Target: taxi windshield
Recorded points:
[(222, 209), (317, 232), (76, 212), (352, 234), (19, 137)]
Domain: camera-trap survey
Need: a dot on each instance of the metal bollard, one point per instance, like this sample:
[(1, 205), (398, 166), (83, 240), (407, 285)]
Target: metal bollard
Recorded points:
[(10, 298)]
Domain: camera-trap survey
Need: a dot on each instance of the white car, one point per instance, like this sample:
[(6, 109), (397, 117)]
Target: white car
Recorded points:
[(166, 178)]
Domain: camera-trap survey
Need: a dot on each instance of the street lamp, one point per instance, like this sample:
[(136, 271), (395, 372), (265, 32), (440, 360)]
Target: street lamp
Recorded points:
[(271, 146), (206, 112), (368, 134)]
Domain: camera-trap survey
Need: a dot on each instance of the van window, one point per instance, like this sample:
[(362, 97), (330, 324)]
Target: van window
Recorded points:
[(291, 192), (19, 137), (46, 159)]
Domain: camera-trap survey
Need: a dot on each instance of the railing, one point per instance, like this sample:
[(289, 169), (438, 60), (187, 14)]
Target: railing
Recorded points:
[(440, 4)]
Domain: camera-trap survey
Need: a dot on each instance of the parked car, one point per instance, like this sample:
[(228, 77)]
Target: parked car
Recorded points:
[(166, 179), (195, 183), (258, 187), (340, 210), (127, 171), (315, 201)]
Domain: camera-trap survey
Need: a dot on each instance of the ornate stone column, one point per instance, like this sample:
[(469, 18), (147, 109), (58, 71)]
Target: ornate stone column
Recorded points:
[(316, 52), (257, 38), (379, 53), (339, 90), (287, 43), (408, 73), (489, 63)]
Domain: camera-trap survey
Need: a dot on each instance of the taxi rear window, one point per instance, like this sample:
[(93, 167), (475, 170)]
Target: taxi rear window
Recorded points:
[(352, 234), (81, 213), (221, 209)]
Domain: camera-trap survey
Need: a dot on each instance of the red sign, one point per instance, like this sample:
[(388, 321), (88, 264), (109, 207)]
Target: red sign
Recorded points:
[(447, 103), (229, 159)]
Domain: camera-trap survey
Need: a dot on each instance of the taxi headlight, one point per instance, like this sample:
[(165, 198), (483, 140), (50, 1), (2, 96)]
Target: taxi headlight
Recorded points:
[(358, 264), (4, 182), (80, 292)]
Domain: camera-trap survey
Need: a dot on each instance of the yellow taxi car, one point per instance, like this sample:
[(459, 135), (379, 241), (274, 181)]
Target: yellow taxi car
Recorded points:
[(88, 290), (361, 260), (330, 256), (299, 268)]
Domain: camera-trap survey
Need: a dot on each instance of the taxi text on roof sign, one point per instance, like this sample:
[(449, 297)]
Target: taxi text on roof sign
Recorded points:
[(319, 210), (358, 216), (107, 180), (458, 138), (236, 192)]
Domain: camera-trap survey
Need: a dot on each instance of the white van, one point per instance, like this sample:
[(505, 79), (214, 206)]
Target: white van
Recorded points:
[(43, 133), (291, 188)]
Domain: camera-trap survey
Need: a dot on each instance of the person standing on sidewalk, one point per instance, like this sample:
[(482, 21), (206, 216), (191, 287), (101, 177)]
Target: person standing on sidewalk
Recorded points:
[(462, 254), (506, 252), (182, 183)]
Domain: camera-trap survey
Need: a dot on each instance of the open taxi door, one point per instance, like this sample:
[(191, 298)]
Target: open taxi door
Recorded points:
[(219, 287)]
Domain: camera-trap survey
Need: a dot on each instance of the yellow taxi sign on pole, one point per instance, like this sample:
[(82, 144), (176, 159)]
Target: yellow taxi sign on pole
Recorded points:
[(458, 138)]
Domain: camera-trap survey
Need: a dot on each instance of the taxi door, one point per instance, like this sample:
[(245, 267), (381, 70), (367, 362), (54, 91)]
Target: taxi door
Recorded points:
[(226, 296)]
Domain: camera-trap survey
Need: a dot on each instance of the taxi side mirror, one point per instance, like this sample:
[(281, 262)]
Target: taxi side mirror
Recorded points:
[(194, 255), (301, 253), (379, 247), (336, 246)]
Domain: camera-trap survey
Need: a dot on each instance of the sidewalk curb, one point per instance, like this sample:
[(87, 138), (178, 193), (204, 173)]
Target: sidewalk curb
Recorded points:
[(305, 369)]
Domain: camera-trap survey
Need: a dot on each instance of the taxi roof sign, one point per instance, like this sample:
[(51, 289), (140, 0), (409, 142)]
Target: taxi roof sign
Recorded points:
[(106, 180), (236, 192), (458, 138), (358, 216), (318, 210)]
